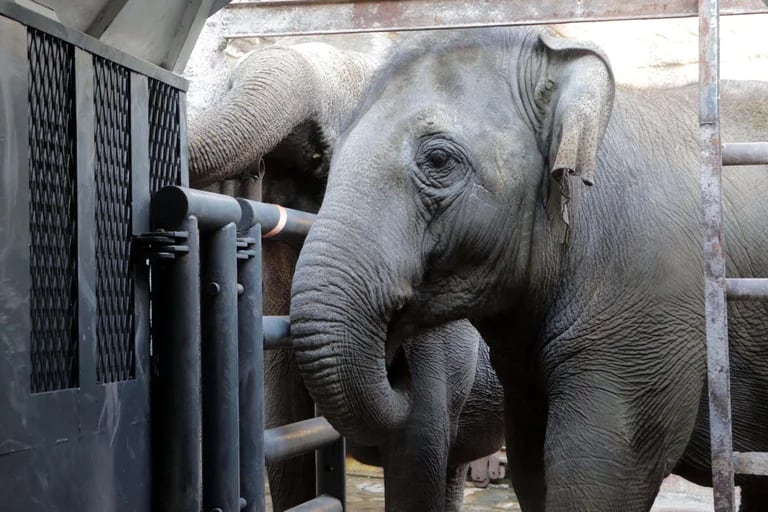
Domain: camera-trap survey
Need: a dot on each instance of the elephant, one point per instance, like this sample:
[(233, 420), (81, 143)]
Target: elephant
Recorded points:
[(502, 176), (280, 117)]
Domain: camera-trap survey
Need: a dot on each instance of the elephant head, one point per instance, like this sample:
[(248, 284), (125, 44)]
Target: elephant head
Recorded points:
[(289, 101), (443, 194)]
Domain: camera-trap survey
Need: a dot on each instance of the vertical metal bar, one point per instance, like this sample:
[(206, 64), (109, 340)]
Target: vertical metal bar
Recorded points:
[(86, 218), (718, 372), (251, 375), (330, 471), (176, 405), (221, 467), (139, 94), (183, 141)]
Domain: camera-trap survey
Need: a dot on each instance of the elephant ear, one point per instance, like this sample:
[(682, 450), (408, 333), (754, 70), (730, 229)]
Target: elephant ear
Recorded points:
[(576, 96)]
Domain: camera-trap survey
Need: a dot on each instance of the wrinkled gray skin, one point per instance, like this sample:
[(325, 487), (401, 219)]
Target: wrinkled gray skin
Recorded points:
[(445, 200), (287, 105)]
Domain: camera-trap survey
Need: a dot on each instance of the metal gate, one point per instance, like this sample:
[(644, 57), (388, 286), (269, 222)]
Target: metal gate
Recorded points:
[(208, 378), (78, 122)]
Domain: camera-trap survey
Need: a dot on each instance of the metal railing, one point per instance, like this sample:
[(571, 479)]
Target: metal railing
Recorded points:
[(208, 338), (717, 288)]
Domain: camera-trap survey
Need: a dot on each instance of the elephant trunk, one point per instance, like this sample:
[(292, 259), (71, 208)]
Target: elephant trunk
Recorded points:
[(273, 91), (339, 331)]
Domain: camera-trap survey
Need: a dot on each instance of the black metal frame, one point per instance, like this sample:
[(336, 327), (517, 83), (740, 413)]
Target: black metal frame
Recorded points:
[(209, 369)]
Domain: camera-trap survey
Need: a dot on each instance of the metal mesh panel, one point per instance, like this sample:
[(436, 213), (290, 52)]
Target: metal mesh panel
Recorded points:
[(53, 213), (114, 284), (164, 136)]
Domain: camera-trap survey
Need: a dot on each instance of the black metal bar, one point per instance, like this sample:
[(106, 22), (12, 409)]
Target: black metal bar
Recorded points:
[(176, 406), (221, 466), (753, 463), (170, 205), (288, 441), (330, 470), (251, 376), (718, 370), (276, 221), (745, 153), (747, 289), (87, 307), (276, 332), (319, 504)]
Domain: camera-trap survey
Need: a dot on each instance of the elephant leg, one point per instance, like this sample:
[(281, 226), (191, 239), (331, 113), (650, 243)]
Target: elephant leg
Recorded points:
[(415, 472), (525, 464), (525, 423), (286, 401), (454, 487), (596, 457)]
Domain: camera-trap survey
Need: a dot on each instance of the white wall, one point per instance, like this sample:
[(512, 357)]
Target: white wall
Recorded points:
[(643, 53)]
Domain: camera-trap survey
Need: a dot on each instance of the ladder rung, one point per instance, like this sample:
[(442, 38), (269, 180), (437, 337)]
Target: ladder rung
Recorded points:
[(750, 463), (745, 153), (287, 441), (747, 288)]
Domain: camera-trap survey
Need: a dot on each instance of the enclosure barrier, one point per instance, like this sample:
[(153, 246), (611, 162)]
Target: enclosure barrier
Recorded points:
[(210, 336), (717, 289)]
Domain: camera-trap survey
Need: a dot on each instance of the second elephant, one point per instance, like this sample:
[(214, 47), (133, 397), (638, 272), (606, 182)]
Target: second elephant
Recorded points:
[(286, 106)]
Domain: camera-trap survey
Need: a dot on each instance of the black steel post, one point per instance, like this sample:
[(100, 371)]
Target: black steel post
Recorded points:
[(176, 405), (330, 470), (251, 373), (221, 468)]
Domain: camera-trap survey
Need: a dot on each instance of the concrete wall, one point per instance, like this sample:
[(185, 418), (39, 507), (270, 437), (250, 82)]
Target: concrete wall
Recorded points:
[(643, 53)]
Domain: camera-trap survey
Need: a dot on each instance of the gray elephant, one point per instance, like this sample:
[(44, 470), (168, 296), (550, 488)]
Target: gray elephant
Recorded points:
[(463, 188), (285, 108)]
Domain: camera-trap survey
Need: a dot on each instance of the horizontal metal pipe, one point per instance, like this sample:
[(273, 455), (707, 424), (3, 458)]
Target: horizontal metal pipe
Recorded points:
[(747, 289), (276, 221), (319, 504), (171, 205), (750, 463), (745, 153), (276, 332), (289, 441), (274, 18)]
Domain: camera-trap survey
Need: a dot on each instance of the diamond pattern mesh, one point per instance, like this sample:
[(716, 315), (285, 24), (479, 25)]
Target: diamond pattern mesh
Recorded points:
[(53, 213), (164, 136), (114, 284)]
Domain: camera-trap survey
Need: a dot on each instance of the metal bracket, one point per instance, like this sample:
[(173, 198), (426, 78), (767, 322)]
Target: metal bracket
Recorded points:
[(159, 245), (245, 248)]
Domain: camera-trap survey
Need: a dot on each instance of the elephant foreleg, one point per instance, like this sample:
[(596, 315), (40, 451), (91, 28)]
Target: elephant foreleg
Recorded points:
[(454, 487), (596, 458), (291, 482)]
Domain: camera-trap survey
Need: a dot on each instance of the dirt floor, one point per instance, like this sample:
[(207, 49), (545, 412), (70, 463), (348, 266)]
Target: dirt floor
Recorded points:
[(365, 493)]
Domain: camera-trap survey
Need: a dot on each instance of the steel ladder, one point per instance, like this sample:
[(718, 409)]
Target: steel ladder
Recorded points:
[(717, 288)]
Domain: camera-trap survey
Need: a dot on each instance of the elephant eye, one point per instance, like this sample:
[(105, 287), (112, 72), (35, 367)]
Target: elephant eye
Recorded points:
[(437, 158), (440, 161)]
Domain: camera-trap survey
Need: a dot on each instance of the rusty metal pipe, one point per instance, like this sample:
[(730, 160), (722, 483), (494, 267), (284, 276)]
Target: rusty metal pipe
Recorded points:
[(745, 153), (289, 441)]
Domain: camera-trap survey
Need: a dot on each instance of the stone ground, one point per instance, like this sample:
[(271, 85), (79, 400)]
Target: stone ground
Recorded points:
[(365, 493)]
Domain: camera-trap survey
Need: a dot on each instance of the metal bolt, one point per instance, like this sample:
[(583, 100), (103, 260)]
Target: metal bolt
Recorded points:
[(212, 288), (240, 289)]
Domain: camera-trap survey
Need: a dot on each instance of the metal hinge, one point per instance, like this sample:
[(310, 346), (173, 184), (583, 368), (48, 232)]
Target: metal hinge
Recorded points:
[(159, 245), (246, 248)]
